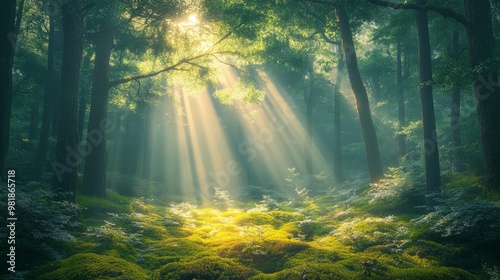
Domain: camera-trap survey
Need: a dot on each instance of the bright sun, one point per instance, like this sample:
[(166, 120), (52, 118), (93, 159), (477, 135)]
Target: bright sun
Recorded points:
[(193, 19)]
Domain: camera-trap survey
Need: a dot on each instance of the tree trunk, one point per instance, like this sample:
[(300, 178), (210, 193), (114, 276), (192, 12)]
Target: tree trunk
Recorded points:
[(67, 160), (455, 122), (362, 104), (94, 177), (56, 110), (487, 88), (43, 141), (431, 155), (34, 117), (401, 103), (82, 105), (7, 51), (338, 168)]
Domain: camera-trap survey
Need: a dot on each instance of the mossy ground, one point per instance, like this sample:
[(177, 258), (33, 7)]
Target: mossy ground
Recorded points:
[(314, 238)]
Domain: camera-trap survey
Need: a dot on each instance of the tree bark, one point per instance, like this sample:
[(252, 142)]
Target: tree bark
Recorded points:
[(7, 51), (82, 105), (34, 117), (94, 176), (487, 89), (401, 102), (338, 168), (43, 141), (362, 103), (67, 159), (455, 122), (431, 155)]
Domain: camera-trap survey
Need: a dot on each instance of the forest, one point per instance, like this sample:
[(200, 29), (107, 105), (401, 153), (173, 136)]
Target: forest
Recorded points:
[(249, 139)]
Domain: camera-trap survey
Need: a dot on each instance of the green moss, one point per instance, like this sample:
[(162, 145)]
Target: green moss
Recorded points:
[(430, 250), (311, 228), (291, 228), (371, 231), (313, 255), (254, 218), (266, 255), (285, 217), (426, 273), (212, 267), (99, 206), (89, 266), (117, 198), (173, 250), (310, 271)]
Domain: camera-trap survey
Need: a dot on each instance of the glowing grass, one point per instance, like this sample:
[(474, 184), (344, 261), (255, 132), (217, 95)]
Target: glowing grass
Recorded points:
[(315, 239)]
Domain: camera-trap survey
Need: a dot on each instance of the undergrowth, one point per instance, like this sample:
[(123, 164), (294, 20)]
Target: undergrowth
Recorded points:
[(341, 232)]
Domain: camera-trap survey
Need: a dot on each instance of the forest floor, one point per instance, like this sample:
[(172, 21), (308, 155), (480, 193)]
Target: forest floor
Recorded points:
[(371, 232)]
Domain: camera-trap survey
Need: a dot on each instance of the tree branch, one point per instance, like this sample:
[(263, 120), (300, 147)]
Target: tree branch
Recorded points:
[(156, 73), (178, 63), (224, 37), (445, 12), (328, 40), (228, 64)]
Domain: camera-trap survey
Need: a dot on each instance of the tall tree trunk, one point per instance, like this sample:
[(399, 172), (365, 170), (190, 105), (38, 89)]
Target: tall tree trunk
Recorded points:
[(363, 106), (401, 102), (56, 109), (431, 155), (94, 176), (309, 98), (67, 159), (7, 51), (82, 105), (43, 141), (34, 117), (487, 88), (455, 122), (338, 167)]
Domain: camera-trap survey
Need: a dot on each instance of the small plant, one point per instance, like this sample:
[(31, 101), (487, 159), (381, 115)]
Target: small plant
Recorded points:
[(493, 272), (371, 231), (457, 216), (43, 217), (181, 213), (222, 198)]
